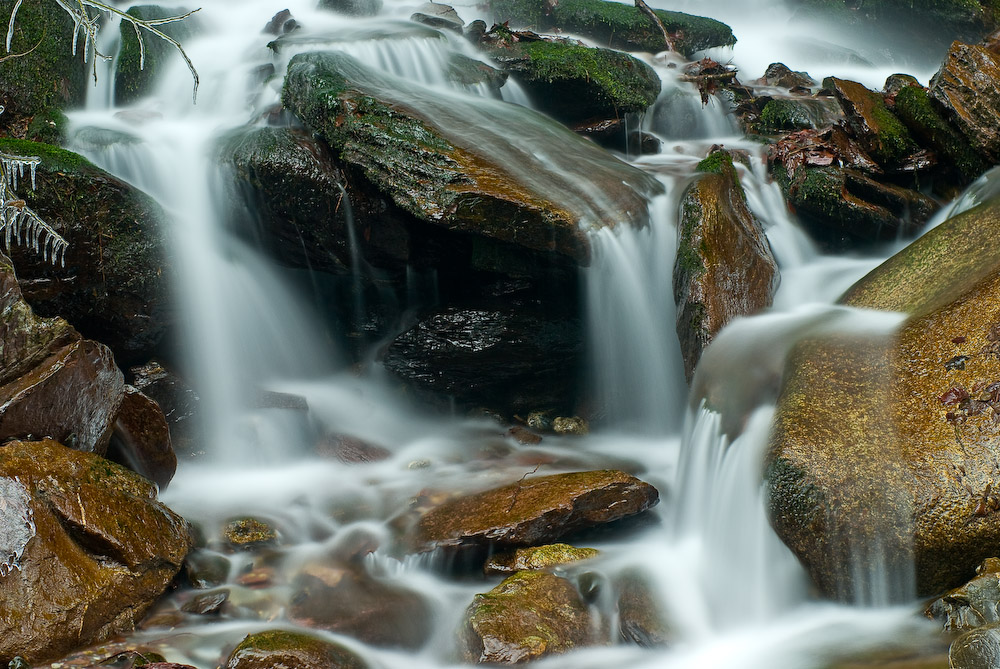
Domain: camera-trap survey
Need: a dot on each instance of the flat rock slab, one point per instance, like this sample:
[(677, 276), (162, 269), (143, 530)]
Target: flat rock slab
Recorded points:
[(533, 511)]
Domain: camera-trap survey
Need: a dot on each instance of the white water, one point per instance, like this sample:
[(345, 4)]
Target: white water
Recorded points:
[(735, 595)]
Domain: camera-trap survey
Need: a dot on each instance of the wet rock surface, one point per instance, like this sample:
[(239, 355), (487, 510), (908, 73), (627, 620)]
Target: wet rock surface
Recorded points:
[(87, 549), (532, 511), (640, 617), (968, 88), (976, 649), (114, 285), (537, 557), (529, 616), (284, 648), (141, 439), (724, 266), (972, 605), (878, 130)]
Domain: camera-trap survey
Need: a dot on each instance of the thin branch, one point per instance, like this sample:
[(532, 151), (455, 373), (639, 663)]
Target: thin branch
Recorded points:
[(644, 8)]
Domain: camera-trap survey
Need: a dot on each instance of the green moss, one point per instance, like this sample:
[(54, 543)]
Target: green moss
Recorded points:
[(915, 108), (782, 114), (53, 157), (48, 126), (716, 162)]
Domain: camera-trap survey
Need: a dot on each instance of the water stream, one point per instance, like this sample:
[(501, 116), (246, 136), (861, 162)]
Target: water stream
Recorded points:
[(736, 594)]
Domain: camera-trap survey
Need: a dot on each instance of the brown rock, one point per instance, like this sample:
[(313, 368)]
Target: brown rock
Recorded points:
[(176, 399), (343, 598), (641, 619), (975, 604), (881, 134), (296, 650), (141, 439), (537, 557), (52, 382), (532, 511), (724, 266), (968, 87), (87, 549), (528, 616)]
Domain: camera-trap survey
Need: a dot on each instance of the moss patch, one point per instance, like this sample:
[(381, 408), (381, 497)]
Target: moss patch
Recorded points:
[(915, 108)]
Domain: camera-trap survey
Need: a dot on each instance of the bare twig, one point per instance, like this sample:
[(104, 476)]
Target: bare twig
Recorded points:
[(644, 8), (517, 490)]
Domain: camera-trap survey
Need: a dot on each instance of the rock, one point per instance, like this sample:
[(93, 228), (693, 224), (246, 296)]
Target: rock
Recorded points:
[(575, 83), (724, 267), (641, 619), (537, 557), (343, 598), (916, 109), (352, 7), (968, 89), (508, 359), (52, 381), (524, 436), (206, 569), (570, 425), (141, 439), (779, 74), (876, 128), (841, 207), (129, 659), (976, 649), (114, 285), (529, 616), (894, 83), (437, 15), (351, 450), (176, 400), (136, 73), (245, 534), (531, 511), (207, 604), (975, 604), (616, 25), (47, 76), (87, 549), (282, 648), (277, 22), (909, 475), (475, 73), (785, 114), (432, 168)]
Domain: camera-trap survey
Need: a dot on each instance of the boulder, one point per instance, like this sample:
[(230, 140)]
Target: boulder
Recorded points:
[(574, 83), (882, 448), (641, 619), (876, 128), (176, 400), (509, 359), (46, 75), (537, 557), (248, 534), (486, 182), (615, 25), (352, 7), (52, 381), (286, 648), (968, 89), (779, 74), (87, 549), (136, 71), (785, 114), (531, 511), (976, 649), (114, 283), (473, 74), (529, 616), (724, 266), (972, 605), (345, 599), (438, 15), (141, 439)]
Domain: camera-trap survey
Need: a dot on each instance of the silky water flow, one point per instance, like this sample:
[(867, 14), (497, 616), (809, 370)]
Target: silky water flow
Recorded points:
[(735, 594)]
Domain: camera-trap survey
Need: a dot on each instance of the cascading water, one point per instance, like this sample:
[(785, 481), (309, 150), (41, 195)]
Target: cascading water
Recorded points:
[(736, 595)]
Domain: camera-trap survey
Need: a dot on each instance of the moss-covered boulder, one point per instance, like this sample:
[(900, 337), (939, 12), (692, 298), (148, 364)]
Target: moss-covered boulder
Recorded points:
[(52, 381), (876, 128), (614, 24), (114, 284), (842, 207), (537, 557), (724, 266), (287, 648), (476, 167), (345, 599), (46, 75), (531, 511), (135, 73), (884, 447), (575, 83), (86, 549), (968, 89), (529, 616)]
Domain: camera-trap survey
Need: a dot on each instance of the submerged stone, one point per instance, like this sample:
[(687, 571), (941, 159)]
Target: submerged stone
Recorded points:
[(94, 551), (249, 534), (529, 616), (641, 619), (285, 648), (532, 511)]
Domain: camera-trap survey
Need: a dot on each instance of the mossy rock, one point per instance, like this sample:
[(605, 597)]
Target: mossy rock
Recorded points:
[(876, 128), (114, 286), (529, 616), (784, 114), (538, 557), (94, 549), (473, 73), (420, 151), (883, 446), (48, 76), (135, 75), (616, 25), (575, 83), (249, 534), (287, 648), (724, 266)]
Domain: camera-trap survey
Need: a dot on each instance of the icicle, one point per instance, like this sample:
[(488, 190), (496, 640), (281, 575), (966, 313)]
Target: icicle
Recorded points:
[(34, 165)]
